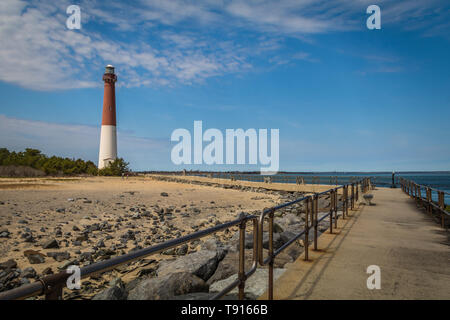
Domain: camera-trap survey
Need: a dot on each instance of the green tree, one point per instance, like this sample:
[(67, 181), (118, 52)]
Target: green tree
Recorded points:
[(115, 168), (57, 165)]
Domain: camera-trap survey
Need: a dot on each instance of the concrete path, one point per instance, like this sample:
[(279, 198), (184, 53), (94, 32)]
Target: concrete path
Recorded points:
[(411, 250)]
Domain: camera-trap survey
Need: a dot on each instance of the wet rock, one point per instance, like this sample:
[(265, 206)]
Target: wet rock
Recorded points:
[(168, 286)]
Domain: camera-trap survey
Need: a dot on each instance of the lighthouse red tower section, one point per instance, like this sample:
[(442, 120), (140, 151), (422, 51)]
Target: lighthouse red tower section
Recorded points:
[(109, 100)]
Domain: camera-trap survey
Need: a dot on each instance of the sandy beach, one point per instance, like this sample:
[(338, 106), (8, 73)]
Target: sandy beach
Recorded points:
[(94, 218)]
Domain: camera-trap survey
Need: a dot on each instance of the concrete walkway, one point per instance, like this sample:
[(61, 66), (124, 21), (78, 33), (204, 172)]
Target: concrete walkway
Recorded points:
[(411, 250)]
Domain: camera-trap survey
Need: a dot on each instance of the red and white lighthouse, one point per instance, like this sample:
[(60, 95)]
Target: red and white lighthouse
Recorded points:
[(108, 135)]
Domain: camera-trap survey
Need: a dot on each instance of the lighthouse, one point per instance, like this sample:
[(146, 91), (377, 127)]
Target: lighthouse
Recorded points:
[(108, 135)]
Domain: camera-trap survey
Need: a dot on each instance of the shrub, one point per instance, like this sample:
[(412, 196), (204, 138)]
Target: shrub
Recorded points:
[(33, 158), (115, 168)]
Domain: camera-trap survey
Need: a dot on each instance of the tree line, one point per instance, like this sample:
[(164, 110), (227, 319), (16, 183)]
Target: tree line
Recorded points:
[(54, 165)]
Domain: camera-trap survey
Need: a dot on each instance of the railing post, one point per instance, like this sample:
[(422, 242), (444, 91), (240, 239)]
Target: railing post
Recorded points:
[(335, 209), (306, 242), (357, 191), (271, 214), (331, 210), (315, 219), (241, 274), (441, 198), (353, 196), (429, 208)]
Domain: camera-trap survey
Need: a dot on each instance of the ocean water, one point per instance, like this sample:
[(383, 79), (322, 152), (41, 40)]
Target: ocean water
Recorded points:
[(437, 180)]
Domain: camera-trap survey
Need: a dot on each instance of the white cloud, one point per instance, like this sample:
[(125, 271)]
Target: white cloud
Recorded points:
[(165, 43)]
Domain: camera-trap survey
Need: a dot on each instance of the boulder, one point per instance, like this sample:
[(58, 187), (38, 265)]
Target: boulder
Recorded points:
[(214, 244), (116, 291), (255, 286), (230, 265), (202, 263), (168, 286), (50, 244)]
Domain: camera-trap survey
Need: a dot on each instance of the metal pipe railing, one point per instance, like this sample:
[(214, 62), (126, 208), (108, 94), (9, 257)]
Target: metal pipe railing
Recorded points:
[(52, 286), (311, 206), (414, 190)]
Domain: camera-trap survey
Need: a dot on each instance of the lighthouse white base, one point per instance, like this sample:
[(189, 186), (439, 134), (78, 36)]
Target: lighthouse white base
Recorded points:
[(108, 146)]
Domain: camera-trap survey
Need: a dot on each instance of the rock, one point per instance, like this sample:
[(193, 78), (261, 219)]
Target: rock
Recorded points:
[(100, 244), (10, 264), (47, 271), (255, 286), (164, 194), (4, 233), (168, 286), (50, 244), (277, 228), (182, 250), (116, 291), (28, 273), (202, 263), (230, 265), (286, 236), (59, 256), (203, 296), (34, 257), (81, 238), (214, 244)]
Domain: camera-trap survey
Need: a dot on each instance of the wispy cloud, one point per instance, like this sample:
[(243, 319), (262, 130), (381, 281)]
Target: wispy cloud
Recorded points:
[(177, 41)]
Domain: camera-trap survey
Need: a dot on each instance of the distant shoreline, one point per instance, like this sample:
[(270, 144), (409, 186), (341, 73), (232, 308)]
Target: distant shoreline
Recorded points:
[(297, 172)]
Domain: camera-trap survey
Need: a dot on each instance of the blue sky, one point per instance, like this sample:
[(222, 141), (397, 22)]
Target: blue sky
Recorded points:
[(344, 97)]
